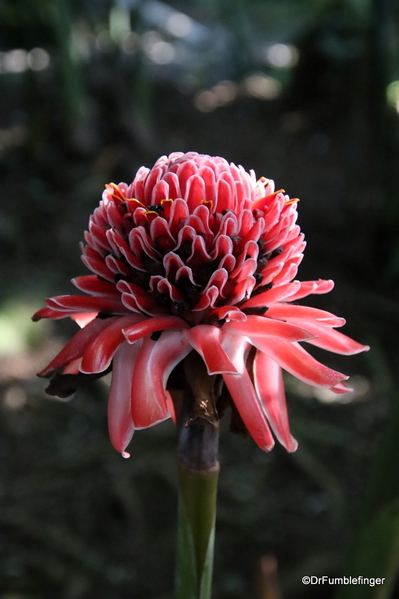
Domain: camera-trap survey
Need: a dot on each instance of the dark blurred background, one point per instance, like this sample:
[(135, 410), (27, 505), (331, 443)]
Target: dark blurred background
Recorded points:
[(305, 92)]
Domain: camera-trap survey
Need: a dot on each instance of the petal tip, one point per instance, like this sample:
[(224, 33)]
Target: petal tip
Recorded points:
[(292, 446), (268, 447), (44, 374), (341, 388)]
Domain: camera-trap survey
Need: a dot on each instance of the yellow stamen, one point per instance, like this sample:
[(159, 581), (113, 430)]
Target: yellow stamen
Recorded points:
[(293, 201), (114, 187), (117, 193), (134, 200), (208, 204)]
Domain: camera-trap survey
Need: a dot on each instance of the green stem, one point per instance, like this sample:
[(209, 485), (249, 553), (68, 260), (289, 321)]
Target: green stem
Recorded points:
[(196, 533), (198, 435)]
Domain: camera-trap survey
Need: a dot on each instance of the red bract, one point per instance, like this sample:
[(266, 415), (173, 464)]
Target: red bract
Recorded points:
[(195, 254)]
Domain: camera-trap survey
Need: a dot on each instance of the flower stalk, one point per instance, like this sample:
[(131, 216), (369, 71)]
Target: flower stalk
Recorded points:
[(198, 470), (196, 533)]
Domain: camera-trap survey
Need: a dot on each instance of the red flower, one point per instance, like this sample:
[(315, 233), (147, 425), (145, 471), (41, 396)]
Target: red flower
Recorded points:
[(195, 254)]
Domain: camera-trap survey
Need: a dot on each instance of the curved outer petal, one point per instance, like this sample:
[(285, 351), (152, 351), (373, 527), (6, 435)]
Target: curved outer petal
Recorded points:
[(312, 288), (50, 313), (100, 352), (73, 367), (76, 347), (248, 405), (276, 294), (293, 358), (120, 422), (92, 285), (237, 348), (260, 326), (151, 325), (84, 303), (154, 364), (269, 386), (288, 311), (334, 341), (207, 340)]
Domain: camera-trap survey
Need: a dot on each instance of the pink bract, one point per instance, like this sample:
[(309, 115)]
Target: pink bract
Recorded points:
[(196, 254)]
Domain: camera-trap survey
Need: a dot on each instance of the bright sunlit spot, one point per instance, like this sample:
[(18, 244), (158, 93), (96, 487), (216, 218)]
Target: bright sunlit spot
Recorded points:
[(206, 100), (393, 95), (157, 49), (222, 93), (262, 86), (38, 59), (179, 24), (281, 56), (15, 61), (161, 52), (226, 91), (20, 60)]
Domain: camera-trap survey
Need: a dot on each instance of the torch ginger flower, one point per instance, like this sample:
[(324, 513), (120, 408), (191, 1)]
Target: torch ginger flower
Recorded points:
[(195, 254)]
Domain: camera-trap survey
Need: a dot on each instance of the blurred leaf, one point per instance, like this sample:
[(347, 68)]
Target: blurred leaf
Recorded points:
[(71, 81), (17, 331)]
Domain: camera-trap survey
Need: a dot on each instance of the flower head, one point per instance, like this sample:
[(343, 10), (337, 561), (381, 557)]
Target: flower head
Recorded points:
[(195, 255)]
